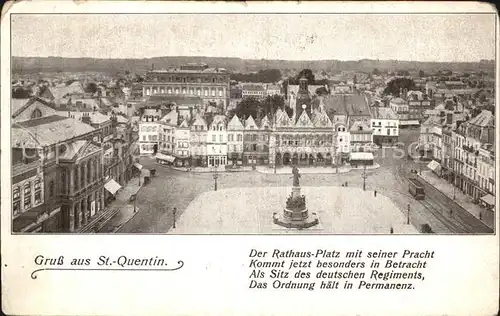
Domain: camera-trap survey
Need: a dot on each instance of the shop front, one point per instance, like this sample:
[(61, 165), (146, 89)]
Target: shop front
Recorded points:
[(216, 160)]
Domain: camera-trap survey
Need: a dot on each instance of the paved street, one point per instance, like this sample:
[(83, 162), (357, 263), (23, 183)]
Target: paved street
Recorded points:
[(172, 188)]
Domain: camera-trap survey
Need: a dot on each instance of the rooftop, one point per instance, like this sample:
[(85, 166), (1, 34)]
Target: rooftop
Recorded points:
[(179, 70), (17, 104), (47, 131), (384, 113), (483, 119), (253, 87)]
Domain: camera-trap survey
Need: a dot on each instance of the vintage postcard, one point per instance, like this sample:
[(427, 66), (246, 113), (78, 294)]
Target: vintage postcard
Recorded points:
[(258, 158)]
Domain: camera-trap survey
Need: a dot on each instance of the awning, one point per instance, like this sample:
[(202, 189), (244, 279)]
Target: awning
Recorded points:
[(434, 165), (409, 123), (112, 186), (138, 165), (488, 199), (165, 157), (362, 156)]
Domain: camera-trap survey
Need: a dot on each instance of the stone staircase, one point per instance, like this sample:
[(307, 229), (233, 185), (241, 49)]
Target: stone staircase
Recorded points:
[(98, 221)]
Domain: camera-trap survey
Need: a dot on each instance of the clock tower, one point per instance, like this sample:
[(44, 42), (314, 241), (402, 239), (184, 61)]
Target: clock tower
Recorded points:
[(303, 101)]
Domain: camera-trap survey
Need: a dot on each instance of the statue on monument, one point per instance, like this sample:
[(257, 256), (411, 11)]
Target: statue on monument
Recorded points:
[(296, 176)]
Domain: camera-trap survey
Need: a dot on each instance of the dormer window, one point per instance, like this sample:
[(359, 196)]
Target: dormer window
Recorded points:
[(36, 114)]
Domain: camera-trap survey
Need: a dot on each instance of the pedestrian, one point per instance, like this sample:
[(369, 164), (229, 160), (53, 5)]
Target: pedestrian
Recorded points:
[(346, 183), (480, 216), (375, 193), (451, 212)]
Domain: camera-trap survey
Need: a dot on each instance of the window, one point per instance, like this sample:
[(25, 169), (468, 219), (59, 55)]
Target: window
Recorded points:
[(214, 138), (221, 138), (36, 114), (16, 198), (240, 137), (27, 188)]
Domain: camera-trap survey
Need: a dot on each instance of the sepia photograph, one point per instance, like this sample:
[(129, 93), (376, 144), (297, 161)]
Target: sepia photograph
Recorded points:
[(253, 123)]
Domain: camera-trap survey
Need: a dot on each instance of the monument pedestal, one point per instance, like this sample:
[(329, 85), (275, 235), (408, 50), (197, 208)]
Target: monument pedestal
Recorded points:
[(297, 217)]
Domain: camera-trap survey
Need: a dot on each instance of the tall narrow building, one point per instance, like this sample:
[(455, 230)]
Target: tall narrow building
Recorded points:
[(303, 98)]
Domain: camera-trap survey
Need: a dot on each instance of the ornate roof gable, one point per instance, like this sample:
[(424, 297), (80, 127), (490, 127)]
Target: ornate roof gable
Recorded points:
[(250, 123), (282, 119), (200, 121), (265, 124), (321, 119), (304, 121), (235, 124)]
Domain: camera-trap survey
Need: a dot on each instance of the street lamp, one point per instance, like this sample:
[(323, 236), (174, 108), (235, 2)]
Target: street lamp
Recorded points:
[(408, 215), (216, 176), (174, 210), (420, 162), (364, 176)]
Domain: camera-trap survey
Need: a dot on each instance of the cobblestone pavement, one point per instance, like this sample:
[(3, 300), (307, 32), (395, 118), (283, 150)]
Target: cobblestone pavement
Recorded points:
[(171, 188)]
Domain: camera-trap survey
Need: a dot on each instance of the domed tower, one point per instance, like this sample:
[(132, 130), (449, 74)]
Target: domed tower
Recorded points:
[(303, 98)]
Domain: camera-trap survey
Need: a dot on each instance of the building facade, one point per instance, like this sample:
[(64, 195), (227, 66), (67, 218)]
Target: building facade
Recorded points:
[(198, 146), (210, 84), (72, 166), (385, 126), (253, 91), (182, 144), (235, 131), (217, 142)]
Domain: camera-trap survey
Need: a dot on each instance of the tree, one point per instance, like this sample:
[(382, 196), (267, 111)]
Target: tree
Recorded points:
[(247, 107), (288, 110), (308, 74), (421, 74), (272, 103), (138, 78), (395, 85), (322, 91), (91, 88), (376, 72), (20, 93), (265, 76)]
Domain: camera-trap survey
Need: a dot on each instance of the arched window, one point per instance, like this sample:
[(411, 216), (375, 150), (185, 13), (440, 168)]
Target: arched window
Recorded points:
[(36, 114)]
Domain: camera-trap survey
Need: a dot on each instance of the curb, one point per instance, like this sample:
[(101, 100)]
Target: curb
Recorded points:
[(128, 220), (456, 203)]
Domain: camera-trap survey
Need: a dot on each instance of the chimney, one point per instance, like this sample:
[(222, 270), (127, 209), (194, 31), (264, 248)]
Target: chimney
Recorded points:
[(449, 118), (86, 118)]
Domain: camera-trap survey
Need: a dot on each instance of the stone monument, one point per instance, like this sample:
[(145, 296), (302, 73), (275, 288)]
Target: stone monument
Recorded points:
[(296, 214)]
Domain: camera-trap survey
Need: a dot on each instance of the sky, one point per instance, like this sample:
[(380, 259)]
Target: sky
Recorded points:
[(421, 37)]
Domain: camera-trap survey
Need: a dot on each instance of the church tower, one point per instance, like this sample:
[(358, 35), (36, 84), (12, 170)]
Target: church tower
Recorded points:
[(303, 98)]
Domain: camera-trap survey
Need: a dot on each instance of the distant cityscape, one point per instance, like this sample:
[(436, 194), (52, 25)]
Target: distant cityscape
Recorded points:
[(86, 145)]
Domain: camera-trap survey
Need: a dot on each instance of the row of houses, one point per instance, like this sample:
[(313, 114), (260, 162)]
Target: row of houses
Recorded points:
[(330, 130), (463, 151), (66, 165)]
